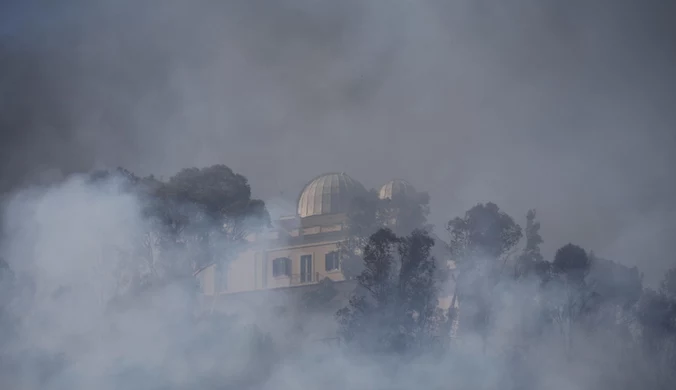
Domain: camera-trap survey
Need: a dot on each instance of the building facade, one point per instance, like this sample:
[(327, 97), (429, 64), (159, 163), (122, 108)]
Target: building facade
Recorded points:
[(297, 255), (298, 250)]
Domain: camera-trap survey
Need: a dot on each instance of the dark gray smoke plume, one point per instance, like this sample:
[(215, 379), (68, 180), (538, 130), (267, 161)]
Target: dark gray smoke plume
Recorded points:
[(563, 106)]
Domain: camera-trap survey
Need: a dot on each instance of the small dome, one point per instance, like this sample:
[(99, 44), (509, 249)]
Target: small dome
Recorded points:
[(396, 189), (330, 193)]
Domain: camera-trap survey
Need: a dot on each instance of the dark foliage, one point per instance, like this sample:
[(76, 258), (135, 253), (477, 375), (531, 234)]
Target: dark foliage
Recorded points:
[(668, 284), (362, 222), (480, 244), (200, 216), (572, 263), (395, 307), (531, 260), (614, 283), (368, 213), (656, 314), (485, 231), (196, 212), (404, 214)]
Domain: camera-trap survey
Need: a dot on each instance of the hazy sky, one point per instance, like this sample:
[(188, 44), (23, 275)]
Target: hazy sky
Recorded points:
[(564, 106)]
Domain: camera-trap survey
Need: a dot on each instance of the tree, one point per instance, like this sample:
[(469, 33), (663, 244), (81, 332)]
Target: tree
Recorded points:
[(572, 263), (369, 313), (220, 194), (568, 298), (484, 232), (212, 197), (531, 259), (367, 213), (615, 284), (656, 314), (198, 218), (395, 306), (480, 244), (668, 284), (209, 211), (403, 214), (419, 290), (362, 221)]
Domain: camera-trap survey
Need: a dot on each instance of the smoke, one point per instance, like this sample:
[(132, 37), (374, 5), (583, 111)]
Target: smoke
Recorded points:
[(532, 104), (67, 245), (73, 246), (79, 320), (564, 107)]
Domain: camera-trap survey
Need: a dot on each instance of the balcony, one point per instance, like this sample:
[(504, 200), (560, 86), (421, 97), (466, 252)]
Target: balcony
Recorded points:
[(297, 279)]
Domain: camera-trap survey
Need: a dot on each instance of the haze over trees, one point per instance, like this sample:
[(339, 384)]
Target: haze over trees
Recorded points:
[(480, 245), (539, 322), (368, 213), (395, 306), (531, 259), (198, 217)]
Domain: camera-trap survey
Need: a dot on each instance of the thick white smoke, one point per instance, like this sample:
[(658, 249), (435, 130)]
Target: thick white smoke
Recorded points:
[(74, 248), (529, 104)]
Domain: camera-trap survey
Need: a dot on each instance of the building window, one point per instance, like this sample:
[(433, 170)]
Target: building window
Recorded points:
[(306, 268), (332, 261), (281, 267)]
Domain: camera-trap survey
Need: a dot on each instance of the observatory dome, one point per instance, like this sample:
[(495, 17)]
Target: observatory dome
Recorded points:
[(330, 193), (396, 189)]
